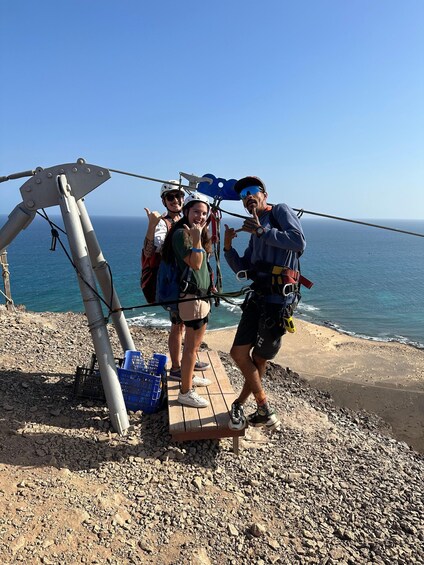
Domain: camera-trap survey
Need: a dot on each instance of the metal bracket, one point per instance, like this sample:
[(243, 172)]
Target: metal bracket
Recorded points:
[(40, 191), (194, 180)]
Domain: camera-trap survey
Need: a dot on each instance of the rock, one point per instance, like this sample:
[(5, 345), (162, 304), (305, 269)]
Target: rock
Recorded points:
[(257, 530)]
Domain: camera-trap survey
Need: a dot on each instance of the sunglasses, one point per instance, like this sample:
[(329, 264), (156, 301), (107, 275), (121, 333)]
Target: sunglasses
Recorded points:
[(249, 191), (174, 196)]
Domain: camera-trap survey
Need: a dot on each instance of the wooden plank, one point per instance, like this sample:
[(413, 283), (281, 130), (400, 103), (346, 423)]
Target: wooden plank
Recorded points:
[(175, 409), (186, 423)]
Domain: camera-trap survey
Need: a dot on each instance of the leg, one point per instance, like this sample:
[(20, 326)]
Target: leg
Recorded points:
[(175, 340), (193, 339), (252, 375)]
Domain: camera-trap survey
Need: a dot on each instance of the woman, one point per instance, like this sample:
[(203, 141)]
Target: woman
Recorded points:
[(189, 242)]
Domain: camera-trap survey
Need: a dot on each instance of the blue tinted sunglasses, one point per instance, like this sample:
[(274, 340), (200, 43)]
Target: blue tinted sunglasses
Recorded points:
[(249, 191)]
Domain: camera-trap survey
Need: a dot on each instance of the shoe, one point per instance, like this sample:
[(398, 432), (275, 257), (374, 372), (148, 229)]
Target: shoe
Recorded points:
[(200, 381), (191, 398), (175, 375), (201, 366), (269, 420), (237, 418)]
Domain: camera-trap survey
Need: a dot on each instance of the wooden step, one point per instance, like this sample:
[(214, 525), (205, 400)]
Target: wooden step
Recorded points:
[(187, 423)]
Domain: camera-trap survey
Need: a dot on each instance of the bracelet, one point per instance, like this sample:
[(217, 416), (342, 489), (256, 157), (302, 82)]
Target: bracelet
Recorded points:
[(197, 250)]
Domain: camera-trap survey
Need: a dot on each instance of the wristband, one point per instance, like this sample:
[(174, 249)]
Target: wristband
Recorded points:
[(197, 250)]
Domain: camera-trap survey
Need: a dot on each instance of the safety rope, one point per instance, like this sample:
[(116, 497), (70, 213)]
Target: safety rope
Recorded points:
[(56, 238), (226, 296), (7, 298)]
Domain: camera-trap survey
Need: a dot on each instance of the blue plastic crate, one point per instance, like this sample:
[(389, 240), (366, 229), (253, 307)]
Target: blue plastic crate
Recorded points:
[(141, 391), (141, 382)]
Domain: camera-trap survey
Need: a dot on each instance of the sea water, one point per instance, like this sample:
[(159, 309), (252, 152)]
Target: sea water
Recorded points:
[(367, 281)]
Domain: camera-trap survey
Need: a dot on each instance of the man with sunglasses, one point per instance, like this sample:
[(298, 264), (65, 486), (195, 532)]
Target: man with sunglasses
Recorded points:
[(275, 245), (172, 196)]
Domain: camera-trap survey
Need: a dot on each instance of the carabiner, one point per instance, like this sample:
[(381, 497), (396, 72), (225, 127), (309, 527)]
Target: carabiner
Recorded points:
[(242, 276)]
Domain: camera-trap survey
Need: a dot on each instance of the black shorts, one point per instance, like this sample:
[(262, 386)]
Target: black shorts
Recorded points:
[(175, 317), (261, 326), (196, 324)]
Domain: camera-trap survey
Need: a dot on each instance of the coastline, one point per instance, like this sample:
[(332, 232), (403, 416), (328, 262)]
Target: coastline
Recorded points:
[(384, 378)]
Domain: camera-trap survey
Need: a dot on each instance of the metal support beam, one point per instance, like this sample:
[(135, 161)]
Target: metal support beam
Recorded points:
[(93, 309), (102, 273)]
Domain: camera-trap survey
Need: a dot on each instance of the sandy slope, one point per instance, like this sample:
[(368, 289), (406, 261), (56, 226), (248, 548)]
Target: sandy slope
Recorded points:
[(384, 378)]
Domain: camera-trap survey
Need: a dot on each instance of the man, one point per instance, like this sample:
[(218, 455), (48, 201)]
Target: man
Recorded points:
[(272, 261), (158, 226)]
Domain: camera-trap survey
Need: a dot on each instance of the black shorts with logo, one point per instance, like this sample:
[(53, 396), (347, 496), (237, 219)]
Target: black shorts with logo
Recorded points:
[(261, 326)]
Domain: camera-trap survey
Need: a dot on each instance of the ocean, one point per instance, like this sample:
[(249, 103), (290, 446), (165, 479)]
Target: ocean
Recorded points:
[(368, 282)]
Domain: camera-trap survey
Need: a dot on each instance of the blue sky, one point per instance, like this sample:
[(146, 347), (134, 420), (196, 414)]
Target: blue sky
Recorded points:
[(323, 99)]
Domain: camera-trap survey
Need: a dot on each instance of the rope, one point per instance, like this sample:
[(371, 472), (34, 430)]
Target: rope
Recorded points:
[(55, 238), (6, 297)]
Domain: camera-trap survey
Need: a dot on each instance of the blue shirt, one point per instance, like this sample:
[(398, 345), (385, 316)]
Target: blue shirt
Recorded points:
[(276, 246)]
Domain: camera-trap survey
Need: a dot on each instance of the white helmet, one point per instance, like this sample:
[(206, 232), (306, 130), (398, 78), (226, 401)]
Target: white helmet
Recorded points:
[(197, 197), (169, 186)]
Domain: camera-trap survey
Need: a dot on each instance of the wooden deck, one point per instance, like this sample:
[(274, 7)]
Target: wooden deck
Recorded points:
[(186, 423)]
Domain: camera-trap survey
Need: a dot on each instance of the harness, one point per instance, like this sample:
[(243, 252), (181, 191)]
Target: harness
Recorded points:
[(274, 279)]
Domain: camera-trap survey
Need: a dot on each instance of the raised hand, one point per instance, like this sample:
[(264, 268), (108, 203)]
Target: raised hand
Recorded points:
[(153, 217), (229, 235), (195, 232), (250, 224)]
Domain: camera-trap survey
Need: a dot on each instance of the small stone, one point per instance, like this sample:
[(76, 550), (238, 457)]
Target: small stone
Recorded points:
[(274, 544), (257, 530), (197, 482), (232, 530)]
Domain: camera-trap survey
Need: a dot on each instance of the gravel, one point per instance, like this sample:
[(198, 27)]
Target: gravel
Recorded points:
[(332, 486)]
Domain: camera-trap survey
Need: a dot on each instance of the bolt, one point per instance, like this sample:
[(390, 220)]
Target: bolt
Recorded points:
[(87, 170), (49, 175), (28, 188), (100, 173), (30, 203), (38, 181), (74, 170)]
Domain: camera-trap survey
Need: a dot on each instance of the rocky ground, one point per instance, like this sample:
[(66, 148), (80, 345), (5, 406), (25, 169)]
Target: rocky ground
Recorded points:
[(330, 487)]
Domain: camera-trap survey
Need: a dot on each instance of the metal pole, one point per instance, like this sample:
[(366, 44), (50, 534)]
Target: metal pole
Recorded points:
[(93, 309), (102, 273)]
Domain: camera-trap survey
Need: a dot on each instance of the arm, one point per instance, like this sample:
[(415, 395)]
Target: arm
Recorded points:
[(235, 262), (290, 236), (149, 246), (194, 259)]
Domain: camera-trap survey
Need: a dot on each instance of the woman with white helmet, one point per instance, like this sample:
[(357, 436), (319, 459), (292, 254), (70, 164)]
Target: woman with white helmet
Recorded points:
[(172, 196), (189, 243)]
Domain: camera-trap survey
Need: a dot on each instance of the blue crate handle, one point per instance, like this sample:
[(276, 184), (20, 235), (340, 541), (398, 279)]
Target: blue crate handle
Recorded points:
[(161, 362), (131, 356)]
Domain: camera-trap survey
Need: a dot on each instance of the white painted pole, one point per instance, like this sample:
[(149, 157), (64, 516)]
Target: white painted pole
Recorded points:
[(102, 273), (93, 309)]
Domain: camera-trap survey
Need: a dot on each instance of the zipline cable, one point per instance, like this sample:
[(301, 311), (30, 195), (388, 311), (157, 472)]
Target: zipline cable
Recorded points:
[(302, 211), (299, 210)]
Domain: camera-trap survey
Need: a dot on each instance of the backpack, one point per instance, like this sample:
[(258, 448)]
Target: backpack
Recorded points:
[(171, 282), (149, 271), (168, 284)]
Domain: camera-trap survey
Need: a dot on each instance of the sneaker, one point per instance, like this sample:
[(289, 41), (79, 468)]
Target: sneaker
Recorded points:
[(269, 420), (200, 381), (201, 366), (237, 418), (191, 398), (175, 375)]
